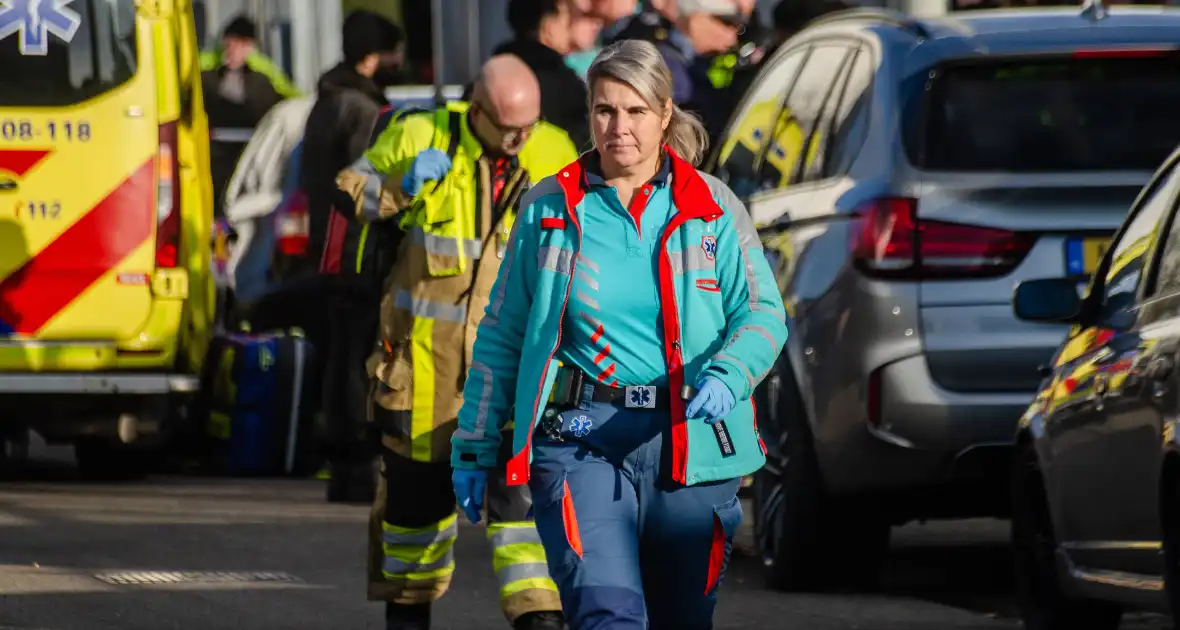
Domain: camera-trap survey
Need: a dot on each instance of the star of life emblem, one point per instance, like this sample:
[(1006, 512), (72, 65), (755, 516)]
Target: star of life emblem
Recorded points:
[(580, 426), (709, 246), (34, 20), (640, 397)]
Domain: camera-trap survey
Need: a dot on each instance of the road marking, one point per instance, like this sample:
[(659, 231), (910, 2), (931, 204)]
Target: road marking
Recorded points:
[(135, 578)]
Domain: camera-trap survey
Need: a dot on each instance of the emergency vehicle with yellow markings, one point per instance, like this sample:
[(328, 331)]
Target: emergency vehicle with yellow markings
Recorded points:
[(106, 296)]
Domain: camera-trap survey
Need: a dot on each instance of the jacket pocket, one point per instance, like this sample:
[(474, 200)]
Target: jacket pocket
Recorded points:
[(726, 519), (394, 388)]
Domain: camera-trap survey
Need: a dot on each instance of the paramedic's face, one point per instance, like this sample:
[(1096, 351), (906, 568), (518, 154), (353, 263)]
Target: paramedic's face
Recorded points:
[(627, 130)]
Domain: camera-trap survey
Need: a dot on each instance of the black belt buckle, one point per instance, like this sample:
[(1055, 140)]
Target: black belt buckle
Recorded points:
[(567, 387)]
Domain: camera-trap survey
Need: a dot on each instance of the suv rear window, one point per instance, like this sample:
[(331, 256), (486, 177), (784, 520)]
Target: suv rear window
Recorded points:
[(45, 64), (1078, 113)]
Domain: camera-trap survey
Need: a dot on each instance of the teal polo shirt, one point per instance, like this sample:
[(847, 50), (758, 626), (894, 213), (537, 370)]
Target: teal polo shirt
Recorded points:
[(612, 329)]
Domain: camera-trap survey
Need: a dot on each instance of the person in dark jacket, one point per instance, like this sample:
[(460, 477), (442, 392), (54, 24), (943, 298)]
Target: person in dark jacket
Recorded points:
[(350, 97), (339, 129), (237, 95), (542, 39)]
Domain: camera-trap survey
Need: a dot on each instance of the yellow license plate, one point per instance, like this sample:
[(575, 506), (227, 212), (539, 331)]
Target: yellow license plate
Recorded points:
[(1093, 249)]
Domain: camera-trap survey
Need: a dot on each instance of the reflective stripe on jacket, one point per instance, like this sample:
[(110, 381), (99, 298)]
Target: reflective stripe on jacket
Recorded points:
[(735, 334), (440, 285)]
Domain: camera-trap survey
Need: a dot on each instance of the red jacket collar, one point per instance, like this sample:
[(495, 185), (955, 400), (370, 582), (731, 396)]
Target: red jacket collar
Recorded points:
[(690, 193)]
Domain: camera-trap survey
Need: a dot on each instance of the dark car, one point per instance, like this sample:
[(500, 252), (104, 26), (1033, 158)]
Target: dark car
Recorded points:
[(1096, 483)]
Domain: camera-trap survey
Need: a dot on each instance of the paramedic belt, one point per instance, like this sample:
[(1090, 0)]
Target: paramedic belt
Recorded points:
[(570, 382)]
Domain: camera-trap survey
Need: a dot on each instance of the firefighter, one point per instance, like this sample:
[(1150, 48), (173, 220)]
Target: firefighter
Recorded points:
[(452, 179)]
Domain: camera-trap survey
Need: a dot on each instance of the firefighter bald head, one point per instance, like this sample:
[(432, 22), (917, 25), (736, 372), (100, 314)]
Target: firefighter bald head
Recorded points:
[(505, 105)]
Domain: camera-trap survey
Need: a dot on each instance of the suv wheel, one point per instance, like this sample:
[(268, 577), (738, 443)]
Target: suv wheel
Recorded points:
[(807, 540), (1171, 530), (1043, 604)]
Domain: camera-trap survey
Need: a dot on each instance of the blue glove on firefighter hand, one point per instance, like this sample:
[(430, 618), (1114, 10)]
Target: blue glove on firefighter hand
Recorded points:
[(713, 401), (430, 164), (470, 486)]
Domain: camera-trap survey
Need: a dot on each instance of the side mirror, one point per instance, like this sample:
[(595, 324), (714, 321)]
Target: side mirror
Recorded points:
[(1047, 300)]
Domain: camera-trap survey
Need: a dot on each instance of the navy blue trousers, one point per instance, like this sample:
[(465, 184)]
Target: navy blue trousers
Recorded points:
[(628, 548)]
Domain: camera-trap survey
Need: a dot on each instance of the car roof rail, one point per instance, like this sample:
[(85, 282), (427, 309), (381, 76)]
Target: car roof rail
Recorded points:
[(874, 14), (1094, 10)]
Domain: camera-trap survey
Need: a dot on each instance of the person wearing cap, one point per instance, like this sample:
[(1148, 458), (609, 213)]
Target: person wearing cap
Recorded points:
[(239, 86), (350, 99), (238, 48)]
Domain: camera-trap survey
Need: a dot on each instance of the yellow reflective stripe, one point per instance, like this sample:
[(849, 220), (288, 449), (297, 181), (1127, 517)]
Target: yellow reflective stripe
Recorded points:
[(419, 575), (422, 416), (421, 555), (523, 553), (513, 533), (518, 557), (418, 553), (360, 250), (421, 535), (513, 588)]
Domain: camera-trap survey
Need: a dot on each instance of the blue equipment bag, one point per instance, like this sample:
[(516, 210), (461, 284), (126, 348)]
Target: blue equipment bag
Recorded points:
[(258, 417)]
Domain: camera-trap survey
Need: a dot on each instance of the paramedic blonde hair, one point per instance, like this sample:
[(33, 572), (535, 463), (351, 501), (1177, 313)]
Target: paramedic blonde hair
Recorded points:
[(638, 64)]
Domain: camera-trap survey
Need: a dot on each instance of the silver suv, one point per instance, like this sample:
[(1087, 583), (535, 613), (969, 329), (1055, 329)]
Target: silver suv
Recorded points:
[(906, 174)]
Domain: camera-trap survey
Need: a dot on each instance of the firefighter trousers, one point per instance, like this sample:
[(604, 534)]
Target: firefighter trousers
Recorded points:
[(413, 527)]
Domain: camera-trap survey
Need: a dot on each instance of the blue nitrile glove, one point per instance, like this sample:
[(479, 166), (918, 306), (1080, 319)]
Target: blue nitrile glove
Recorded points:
[(470, 486), (713, 401), (430, 164)]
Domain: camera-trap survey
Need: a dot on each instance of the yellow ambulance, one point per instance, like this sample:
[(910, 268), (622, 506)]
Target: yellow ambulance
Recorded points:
[(106, 295)]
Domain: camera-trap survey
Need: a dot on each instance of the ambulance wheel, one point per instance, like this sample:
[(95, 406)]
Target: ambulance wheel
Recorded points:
[(109, 461)]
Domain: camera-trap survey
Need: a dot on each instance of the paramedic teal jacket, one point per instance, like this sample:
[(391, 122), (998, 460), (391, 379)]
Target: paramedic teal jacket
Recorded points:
[(721, 314)]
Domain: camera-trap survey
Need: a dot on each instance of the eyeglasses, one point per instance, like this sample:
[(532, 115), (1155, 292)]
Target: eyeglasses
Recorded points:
[(508, 132)]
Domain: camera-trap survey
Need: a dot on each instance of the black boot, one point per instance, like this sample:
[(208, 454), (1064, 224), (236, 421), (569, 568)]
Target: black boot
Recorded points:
[(407, 616), (542, 620)]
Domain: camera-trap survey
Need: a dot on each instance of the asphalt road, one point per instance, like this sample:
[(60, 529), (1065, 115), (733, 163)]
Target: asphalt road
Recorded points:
[(226, 554)]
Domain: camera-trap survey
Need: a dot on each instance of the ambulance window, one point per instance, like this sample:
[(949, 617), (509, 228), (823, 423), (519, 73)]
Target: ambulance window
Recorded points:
[(59, 54), (749, 129)]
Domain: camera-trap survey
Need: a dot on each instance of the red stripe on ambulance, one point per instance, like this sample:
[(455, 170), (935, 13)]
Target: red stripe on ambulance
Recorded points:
[(21, 161), (49, 281)]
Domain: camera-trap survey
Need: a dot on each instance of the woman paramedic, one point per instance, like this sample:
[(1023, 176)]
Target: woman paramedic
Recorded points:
[(631, 320)]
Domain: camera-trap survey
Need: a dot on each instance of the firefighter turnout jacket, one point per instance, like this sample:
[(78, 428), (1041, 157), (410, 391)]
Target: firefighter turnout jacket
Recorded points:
[(456, 234), (438, 289)]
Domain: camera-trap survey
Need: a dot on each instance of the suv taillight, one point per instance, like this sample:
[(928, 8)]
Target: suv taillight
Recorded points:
[(167, 200), (292, 224), (889, 240)]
